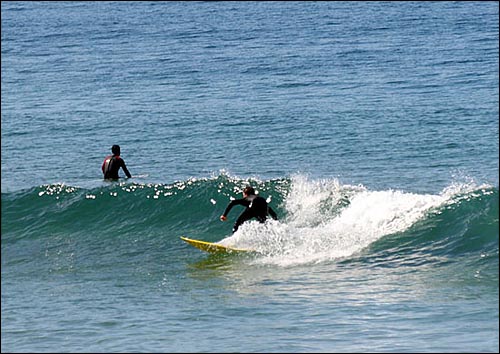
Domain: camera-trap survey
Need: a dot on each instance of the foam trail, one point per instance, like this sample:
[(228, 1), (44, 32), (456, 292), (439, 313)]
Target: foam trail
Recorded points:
[(326, 220)]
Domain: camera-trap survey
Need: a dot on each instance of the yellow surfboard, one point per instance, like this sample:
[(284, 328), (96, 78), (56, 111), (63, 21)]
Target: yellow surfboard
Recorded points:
[(212, 247)]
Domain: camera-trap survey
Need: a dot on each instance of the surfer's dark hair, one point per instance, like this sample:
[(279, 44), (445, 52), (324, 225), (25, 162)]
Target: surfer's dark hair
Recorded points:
[(249, 190), (115, 149)]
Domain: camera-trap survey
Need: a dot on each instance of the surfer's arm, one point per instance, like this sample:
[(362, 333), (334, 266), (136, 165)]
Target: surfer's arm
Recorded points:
[(272, 213), (124, 167), (231, 205)]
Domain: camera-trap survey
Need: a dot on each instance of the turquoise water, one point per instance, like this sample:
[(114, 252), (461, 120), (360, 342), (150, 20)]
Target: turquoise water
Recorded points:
[(372, 128)]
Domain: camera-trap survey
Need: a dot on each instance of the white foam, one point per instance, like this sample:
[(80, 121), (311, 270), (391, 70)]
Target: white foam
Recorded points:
[(327, 220)]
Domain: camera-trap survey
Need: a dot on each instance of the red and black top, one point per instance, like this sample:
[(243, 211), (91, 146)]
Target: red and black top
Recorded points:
[(111, 166)]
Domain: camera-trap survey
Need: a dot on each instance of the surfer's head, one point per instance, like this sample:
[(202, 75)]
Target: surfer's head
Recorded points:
[(115, 149), (249, 190)]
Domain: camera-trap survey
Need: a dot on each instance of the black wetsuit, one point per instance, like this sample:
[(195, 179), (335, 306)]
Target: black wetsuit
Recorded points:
[(256, 207), (111, 166)]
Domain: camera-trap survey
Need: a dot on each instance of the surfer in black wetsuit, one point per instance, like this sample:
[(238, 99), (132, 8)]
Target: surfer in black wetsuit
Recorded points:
[(112, 164), (256, 207)]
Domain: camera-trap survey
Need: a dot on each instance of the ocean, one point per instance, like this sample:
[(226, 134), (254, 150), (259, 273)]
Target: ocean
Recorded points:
[(370, 127)]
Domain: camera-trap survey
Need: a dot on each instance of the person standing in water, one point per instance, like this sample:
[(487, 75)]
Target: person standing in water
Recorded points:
[(256, 207), (112, 164)]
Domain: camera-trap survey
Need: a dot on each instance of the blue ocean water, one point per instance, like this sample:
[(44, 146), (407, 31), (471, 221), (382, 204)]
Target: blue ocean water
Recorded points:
[(371, 127)]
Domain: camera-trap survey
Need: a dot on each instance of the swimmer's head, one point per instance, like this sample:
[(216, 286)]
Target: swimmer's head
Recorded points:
[(115, 149)]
